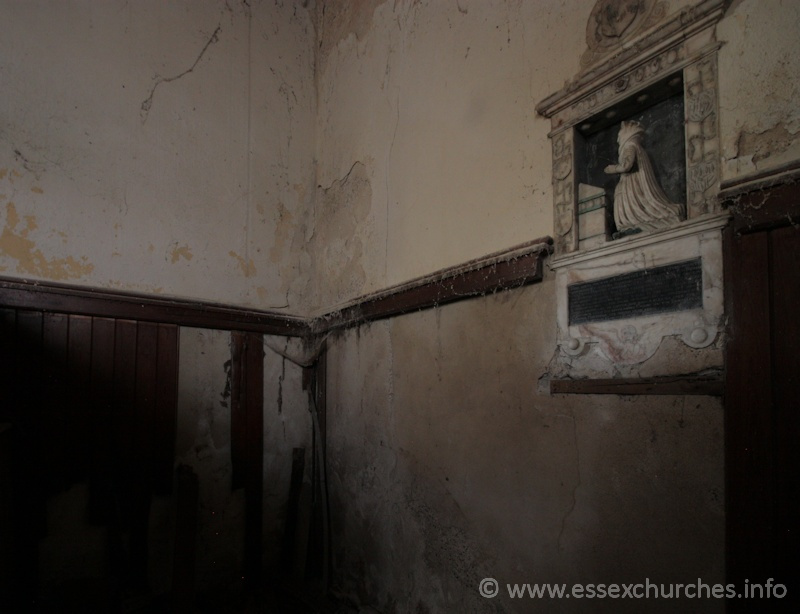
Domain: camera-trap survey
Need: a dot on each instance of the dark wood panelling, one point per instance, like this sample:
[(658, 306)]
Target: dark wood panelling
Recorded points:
[(79, 364), (762, 388), (712, 386), (146, 378), (187, 497), (166, 413), (55, 427), (8, 361), (91, 399), (748, 424), (785, 249), (247, 440), (124, 393), (238, 409), (104, 419), (254, 470)]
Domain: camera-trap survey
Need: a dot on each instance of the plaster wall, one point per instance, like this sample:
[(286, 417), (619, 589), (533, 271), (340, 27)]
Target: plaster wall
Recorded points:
[(759, 85), (433, 104), (450, 462), (206, 150), (158, 147), (430, 107)]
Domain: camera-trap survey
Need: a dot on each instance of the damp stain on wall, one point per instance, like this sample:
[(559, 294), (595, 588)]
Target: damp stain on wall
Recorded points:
[(284, 227), (341, 230), (16, 244), (247, 266), (337, 21), (178, 252), (762, 145)]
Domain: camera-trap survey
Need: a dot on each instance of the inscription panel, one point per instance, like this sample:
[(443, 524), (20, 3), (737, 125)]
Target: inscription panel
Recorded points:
[(674, 287)]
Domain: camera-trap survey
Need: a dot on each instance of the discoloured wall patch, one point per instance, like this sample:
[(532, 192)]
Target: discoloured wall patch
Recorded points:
[(341, 231), (184, 251), (284, 227), (761, 145), (16, 244), (248, 266), (338, 20)]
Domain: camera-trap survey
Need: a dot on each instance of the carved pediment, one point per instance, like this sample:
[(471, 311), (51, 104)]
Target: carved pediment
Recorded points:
[(614, 22)]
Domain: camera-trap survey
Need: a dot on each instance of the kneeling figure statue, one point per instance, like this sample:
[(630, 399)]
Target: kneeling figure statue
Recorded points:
[(639, 201)]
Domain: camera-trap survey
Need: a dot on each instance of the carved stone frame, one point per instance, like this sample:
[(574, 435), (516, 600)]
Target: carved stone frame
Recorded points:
[(683, 44), (663, 47)]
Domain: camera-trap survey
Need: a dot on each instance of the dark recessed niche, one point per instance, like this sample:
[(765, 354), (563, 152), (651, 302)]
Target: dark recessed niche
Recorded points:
[(659, 108)]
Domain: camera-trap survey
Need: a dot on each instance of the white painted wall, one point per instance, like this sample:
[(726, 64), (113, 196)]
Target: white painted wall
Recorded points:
[(160, 147)]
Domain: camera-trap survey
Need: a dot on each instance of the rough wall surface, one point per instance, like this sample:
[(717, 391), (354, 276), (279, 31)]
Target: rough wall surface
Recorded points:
[(158, 147), (450, 464), (434, 103), (449, 460), (277, 155), (759, 86)]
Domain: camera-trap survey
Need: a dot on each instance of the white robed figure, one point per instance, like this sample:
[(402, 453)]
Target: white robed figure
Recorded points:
[(639, 201)]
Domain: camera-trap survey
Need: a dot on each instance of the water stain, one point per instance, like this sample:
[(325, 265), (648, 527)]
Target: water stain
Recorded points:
[(183, 251), (248, 267), (16, 244), (284, 227)]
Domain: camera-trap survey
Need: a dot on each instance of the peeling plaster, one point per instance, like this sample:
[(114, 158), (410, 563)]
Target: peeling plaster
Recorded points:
[(761, 145), (16, 243)]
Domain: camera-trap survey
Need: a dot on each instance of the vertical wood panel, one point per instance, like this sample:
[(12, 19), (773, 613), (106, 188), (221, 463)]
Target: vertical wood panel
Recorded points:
[(14, 562), (142, 437), (785, 248), (238, 409), (187, 497), (30, 511), (79, 353), (254, 367), (98, 399), (146, 385), (748, 412), (102, 420), (124, 388), (56, 427), (166, 413), (8, 350)]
